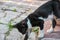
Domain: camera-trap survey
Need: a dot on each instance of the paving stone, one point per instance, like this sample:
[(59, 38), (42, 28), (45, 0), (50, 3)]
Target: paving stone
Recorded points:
[(14, 34), (50, 39)]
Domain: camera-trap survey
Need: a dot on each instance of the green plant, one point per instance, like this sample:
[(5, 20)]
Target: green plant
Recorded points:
[(10, 28), (10, 25), (14, 10), (35, 29)]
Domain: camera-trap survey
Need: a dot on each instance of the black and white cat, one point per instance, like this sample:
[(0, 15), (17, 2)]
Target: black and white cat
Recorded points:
[(45, 12)]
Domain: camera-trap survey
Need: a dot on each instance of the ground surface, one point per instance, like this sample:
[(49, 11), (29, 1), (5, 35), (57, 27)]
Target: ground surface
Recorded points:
[(5, 17), (54, 35)]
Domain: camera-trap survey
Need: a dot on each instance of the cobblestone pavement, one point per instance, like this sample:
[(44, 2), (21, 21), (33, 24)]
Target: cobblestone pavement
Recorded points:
[(7, 10), (54, 35)]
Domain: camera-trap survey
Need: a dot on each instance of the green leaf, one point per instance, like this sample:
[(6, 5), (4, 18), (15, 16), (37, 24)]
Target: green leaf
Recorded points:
[(36, 29), (14, 10), (10, 26)]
